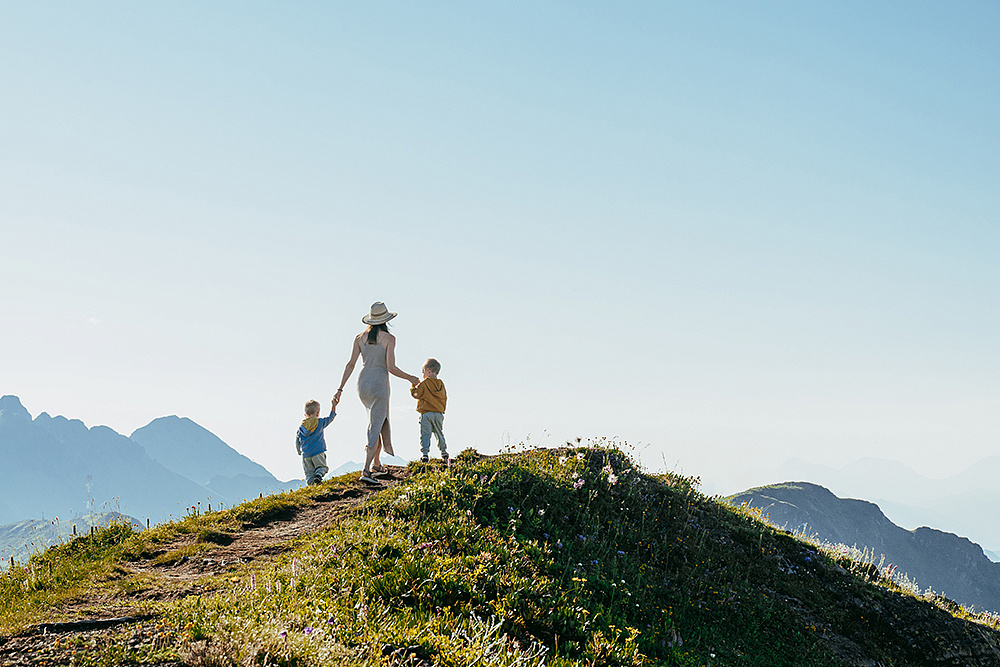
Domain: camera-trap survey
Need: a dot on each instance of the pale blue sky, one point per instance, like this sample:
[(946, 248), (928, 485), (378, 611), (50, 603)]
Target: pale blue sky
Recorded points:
[(726, 233)]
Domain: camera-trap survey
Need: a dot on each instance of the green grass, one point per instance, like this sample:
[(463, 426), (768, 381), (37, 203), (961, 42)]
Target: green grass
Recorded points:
[(28, 592), (568, 557), (90, 562), (571, 557)]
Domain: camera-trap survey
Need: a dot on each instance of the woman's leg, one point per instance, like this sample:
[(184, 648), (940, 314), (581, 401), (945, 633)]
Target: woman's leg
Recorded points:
[(377, 462), (372, 453), (384, 442), (385, 438)]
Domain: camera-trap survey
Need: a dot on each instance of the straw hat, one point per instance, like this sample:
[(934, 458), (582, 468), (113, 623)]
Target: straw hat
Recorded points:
[(379, 314)]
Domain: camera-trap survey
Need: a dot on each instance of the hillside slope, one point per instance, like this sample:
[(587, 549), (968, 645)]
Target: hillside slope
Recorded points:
[(549, 557), (21, 539)]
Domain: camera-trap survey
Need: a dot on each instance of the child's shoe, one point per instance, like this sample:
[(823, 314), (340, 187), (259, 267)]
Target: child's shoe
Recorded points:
[(424, 458)]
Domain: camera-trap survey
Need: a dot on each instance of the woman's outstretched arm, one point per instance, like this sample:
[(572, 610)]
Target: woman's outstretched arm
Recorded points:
[(390, 361), (349, 368)]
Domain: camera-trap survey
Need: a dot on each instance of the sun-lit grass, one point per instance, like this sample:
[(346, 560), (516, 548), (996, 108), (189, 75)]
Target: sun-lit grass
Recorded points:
[(555, 557), (28, 592)]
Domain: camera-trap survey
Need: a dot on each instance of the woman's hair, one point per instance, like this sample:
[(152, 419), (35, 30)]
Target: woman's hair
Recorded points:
[(373, 330)]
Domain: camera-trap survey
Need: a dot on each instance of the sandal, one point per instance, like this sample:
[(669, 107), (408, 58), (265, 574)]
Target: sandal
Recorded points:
[(381, 471), (367, 478)]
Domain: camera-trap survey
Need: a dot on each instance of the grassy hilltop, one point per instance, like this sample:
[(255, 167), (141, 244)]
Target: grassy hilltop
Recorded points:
[(547, 557)]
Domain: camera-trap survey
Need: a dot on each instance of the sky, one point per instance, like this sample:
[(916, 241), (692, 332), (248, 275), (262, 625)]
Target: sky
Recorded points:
[(720, 234)]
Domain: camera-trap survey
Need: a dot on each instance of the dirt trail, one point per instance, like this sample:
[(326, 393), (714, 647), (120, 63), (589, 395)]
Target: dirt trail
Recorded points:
[(93, 620)]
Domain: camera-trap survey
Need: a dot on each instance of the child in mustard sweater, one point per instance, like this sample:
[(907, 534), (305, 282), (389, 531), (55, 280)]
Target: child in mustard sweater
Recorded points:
[(431, 399)]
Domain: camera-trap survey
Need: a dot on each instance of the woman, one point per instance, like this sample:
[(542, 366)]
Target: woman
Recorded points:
[(377, 349)]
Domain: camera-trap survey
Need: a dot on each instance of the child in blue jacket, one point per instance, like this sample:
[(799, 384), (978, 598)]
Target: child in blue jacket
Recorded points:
[(309, 441)]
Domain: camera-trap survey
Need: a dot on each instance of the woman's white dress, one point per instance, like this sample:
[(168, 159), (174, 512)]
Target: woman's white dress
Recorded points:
[(373, 388)]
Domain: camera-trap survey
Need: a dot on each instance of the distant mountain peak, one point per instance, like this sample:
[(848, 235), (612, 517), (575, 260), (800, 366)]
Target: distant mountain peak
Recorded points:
[(11, 408), (186, 447)]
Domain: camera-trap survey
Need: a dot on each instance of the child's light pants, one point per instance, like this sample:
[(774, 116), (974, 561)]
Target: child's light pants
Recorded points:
[(314, 468), (432, 422)]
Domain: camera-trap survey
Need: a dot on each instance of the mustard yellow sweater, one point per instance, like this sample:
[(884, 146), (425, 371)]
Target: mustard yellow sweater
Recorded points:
[(430, 395)]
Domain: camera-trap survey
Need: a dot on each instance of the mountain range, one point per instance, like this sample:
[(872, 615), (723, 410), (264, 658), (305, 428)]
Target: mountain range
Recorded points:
[(959, 503), (58, 467), (948, 564)]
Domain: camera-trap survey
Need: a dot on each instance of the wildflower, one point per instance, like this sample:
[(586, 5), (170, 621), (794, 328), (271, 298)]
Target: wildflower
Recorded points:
[(295, 566), (613, 479), (579, 456), (308, 631), (468, 512), (562, 460), (558, 544), (621, 553), (578, 484), (330, 622), (283, 635), (541, 512)]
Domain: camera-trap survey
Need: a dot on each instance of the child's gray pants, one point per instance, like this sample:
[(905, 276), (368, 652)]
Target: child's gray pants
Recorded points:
[(432, 422), (314, 468)]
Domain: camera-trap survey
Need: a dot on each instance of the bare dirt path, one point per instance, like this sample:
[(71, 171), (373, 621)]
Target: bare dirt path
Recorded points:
[(87, 623)]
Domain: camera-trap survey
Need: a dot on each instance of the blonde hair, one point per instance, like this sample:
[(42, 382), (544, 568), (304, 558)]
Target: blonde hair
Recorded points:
[(433, 365), (312, 407)]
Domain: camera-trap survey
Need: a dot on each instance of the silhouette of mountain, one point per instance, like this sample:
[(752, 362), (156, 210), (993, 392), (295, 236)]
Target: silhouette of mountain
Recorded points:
[(188, 449), (955, 504), (57, 466), (54, 466), (945, 562)]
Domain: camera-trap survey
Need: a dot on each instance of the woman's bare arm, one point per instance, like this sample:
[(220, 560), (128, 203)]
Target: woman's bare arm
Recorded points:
[(349, 368), (390, 361)]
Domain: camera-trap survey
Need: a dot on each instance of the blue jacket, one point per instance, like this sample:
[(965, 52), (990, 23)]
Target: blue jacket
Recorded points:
[(310, 442)]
